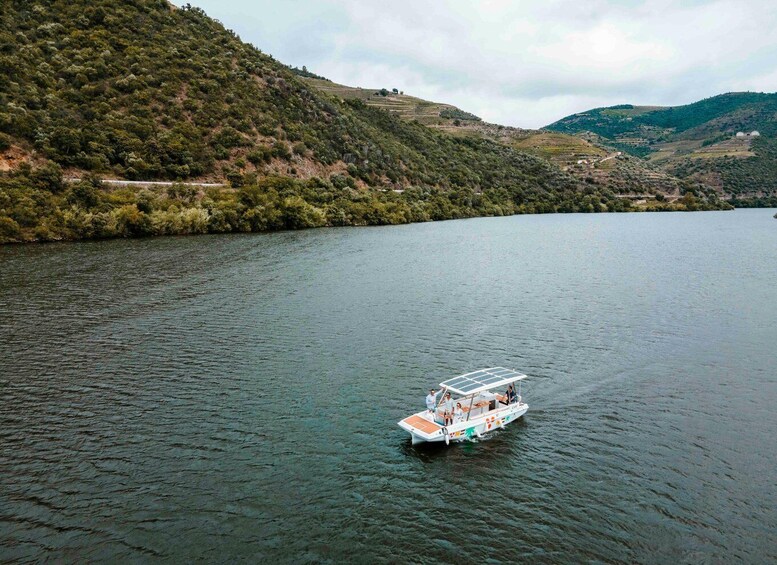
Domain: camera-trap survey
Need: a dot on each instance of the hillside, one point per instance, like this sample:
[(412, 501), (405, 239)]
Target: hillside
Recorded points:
[(590, 161), (144, 90), (697, 141), (405, 106)]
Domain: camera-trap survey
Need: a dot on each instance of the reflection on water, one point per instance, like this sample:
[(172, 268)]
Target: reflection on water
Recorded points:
[(236, 397)]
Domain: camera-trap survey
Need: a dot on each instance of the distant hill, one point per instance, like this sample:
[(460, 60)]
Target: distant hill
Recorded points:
[(709, 141), (592, 161)]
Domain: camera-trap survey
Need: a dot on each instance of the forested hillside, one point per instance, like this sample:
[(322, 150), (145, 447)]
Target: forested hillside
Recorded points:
[(143, 90)]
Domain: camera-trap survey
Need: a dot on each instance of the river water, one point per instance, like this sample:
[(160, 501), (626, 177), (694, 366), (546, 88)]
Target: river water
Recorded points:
[(235, 398)]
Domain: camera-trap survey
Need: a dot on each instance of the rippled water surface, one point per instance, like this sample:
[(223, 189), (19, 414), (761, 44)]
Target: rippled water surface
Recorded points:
[(230, 398)]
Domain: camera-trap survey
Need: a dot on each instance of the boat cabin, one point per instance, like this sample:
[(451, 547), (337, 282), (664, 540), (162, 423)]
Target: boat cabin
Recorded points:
[(474, 392), (488, 400)]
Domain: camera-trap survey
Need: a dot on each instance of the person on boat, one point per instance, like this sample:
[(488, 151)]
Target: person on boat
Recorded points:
[(458, 413), (431, 400), (448, 409), (510, 394)]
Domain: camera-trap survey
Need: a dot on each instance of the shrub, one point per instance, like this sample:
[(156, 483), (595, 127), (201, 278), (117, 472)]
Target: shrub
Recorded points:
[(281, 150), (235, 179), (9, 230), (131, 222), (83, 194), (298, 214), (48, 177), (259, 155)]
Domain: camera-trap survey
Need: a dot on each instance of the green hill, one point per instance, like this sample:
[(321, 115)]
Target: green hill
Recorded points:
[(697, 141), (144, 90)]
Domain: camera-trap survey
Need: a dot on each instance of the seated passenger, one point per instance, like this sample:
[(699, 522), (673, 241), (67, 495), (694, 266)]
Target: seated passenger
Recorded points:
[(458, 413)]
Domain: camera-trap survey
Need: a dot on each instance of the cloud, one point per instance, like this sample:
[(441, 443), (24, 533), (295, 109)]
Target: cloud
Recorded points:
[(521, 63)]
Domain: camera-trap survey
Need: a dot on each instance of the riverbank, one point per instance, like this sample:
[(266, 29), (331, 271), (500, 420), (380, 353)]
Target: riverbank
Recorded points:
[(39, 206)]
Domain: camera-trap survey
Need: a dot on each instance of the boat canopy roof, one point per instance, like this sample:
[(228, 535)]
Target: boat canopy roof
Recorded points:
[(482, 380)]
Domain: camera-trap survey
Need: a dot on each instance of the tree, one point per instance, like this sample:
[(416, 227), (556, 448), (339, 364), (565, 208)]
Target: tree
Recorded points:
[(9, 230), (65, 141), (83, 194), (48, 177), (298, 214)]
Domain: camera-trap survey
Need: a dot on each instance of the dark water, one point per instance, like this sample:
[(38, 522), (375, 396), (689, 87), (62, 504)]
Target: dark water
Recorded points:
[(235, 398)]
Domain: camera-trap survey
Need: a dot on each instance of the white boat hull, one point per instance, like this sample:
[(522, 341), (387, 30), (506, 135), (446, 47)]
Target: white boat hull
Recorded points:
[(430, 432)]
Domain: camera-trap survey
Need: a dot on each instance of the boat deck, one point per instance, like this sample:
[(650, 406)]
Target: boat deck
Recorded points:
[(420, 424)]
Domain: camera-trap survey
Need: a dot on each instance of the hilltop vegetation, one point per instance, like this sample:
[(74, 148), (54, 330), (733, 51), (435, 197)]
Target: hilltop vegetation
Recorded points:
[(696, 141), (143, 90), (407, 107), (657, 122)]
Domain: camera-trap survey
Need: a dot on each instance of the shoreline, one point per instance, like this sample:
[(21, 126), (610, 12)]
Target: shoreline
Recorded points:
[(42, 206), (283, 230)]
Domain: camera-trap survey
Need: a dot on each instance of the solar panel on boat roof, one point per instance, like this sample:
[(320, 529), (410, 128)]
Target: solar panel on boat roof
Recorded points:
[(457, 381), (479, 379), (492, 379)]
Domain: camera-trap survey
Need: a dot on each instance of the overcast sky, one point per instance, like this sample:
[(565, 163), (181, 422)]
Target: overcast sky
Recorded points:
[(521, 63)]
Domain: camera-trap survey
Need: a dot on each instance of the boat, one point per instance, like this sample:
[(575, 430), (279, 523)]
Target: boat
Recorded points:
[(483, 410)]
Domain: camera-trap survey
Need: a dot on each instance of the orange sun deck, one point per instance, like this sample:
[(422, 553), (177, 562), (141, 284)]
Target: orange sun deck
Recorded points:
[(420, 424)]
